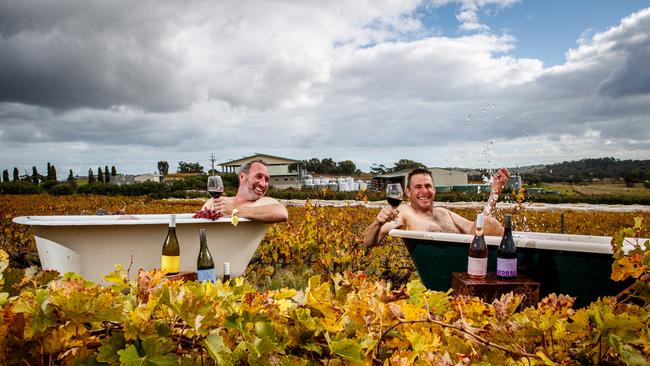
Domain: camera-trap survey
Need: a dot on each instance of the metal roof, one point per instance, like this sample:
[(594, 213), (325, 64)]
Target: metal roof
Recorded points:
[(241, 161)]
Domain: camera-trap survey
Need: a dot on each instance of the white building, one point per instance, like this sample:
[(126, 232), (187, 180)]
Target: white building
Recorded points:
[(285, 173)]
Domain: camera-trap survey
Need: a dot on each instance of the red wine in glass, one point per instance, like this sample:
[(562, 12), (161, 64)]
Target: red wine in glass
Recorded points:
[(215, 186), (215, 194), (395, 202), (394, 194)]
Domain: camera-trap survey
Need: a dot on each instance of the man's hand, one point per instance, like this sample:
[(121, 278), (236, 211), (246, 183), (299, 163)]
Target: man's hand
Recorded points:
[(386, 214), (223, 204), (499, 181), (377, 230)]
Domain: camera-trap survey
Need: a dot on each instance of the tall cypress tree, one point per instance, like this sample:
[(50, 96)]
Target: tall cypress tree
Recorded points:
[(5, 175), (16, 174), (34, 175), (52, 173), (113, 171), (91, 176), (100, 175), (107, 177), (71, 180), (49, 171)]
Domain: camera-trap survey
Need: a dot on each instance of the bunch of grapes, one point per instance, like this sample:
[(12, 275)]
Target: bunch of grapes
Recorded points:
[(207, 214)]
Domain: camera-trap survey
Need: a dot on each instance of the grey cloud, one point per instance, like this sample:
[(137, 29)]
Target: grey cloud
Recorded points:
[(632, 78), (66, 56)]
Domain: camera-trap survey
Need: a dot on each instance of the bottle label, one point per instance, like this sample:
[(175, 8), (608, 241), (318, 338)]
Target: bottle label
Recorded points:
[(507, 267), (170, 263), (476, 266), (207, 275)]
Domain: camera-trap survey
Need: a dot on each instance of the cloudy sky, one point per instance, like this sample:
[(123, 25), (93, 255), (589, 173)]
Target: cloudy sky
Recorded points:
[(463, 83)]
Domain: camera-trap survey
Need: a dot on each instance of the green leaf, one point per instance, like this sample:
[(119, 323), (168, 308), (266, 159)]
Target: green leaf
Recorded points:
[(37, 306), (264, 345), (12, 277), (348, 349), (217, 349), (415, 289), (163, 360), (130, 357), (117, 278), (108, 351), (305, 318), (154, 346), (547, 361), (630, 355)]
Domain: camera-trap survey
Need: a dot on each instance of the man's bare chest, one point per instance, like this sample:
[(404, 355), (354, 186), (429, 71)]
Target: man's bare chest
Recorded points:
[(435, 221)]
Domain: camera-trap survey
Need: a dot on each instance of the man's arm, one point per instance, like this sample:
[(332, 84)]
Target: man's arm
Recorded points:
[(490, 225), (464, 225), (377, 230), (499, 181), (265, 209)]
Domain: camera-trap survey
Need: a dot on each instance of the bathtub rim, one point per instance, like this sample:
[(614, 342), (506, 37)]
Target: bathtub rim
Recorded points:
[(111, 220), (524, 239)]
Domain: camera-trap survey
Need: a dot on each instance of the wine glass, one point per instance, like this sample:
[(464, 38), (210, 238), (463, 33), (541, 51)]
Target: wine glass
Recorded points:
[(394, 194), (215, 186)]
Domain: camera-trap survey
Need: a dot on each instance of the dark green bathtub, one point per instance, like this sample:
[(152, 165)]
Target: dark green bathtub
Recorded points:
[(576, 265)]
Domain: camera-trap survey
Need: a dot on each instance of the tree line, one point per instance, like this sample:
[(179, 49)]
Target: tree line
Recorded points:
[(51, 177), (585, 170), (329, 166)]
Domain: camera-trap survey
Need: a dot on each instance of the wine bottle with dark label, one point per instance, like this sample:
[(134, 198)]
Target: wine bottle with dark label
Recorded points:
[(171, 251), (478, 253), (226, 272), (204, 263), (507, 253)]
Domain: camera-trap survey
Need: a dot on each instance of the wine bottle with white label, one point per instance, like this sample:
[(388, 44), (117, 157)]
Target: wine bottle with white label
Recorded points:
[(507, 253), (204, 263), (226, 272), (171, 251), (478, 253)]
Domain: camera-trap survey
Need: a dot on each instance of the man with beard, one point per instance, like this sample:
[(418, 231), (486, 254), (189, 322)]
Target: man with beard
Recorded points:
[(422, 216), (249, 202)]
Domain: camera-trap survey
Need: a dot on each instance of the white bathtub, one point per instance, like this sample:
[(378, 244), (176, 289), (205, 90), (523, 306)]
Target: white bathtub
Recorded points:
[(92, 245)]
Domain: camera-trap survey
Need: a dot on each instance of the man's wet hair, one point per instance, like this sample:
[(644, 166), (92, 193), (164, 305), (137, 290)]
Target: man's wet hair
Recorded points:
[(247, 167), (417, 171)]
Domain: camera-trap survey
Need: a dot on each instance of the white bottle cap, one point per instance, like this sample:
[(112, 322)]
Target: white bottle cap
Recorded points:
[(226, 268), (479, 220), (172, 220)]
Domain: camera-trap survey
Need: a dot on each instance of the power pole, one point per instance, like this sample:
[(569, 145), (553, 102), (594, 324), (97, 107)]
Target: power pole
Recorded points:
[(212, 160)]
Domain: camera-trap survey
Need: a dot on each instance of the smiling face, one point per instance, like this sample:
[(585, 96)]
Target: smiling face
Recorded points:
[(421, 192), (254, 184)]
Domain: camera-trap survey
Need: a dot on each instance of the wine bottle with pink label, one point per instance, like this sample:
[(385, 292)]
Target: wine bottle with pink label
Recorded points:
[(478, 253)]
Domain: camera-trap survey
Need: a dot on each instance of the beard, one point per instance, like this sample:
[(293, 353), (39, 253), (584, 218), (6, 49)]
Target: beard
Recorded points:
[(249, 193)]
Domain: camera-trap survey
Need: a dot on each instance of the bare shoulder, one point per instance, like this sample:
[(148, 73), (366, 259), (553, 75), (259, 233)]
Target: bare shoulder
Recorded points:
[(265, 201), (405, 209)]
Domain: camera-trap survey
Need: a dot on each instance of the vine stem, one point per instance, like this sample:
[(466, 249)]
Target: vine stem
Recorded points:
[(460, 329), (628, 292)]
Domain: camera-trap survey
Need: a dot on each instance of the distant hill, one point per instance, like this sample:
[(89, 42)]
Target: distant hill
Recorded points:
[(587, 170)]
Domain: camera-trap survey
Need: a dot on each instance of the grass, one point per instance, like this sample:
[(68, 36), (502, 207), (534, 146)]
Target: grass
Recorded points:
[(600, 189), (278, 278)]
